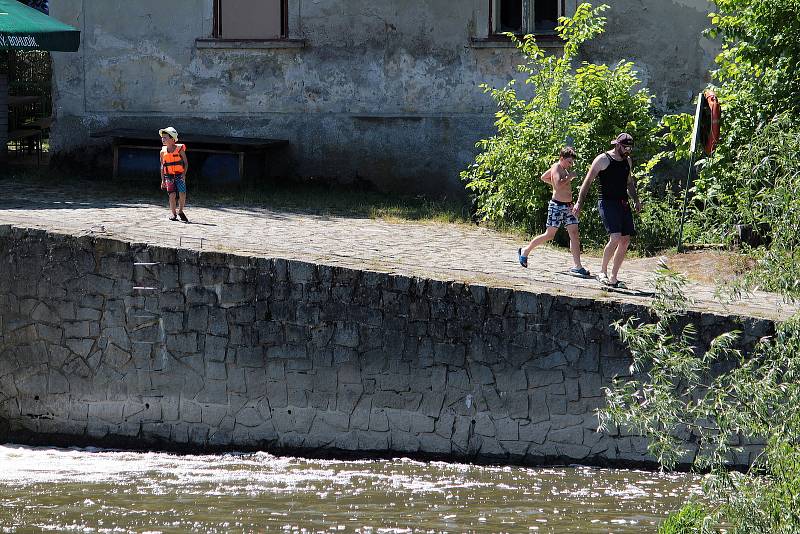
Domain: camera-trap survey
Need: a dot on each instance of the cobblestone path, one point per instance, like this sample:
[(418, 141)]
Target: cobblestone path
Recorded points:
[(439, 251)]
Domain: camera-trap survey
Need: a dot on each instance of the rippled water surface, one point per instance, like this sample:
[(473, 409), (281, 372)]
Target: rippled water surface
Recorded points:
[(90, 490)]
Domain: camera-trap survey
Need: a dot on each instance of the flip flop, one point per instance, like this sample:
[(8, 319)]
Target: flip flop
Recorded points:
[(523, 260), (183, 216), (619, 284), (173, 218)]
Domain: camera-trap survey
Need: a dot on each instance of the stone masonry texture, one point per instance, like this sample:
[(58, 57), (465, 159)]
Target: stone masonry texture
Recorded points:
[(108, 342)]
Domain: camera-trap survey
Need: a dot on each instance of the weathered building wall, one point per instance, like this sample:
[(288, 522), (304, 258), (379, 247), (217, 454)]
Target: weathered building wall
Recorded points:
[(385, 91), (241, 352)]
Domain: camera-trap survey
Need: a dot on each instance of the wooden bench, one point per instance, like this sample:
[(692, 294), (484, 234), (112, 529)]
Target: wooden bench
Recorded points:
[(216, 160)]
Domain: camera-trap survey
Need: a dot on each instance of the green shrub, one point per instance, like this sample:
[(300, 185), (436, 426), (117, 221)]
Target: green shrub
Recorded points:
[(687, 520), (755, 401), (587, 105)]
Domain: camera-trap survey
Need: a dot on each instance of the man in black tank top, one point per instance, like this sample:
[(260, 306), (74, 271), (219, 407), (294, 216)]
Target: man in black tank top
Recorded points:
[(613, 168)]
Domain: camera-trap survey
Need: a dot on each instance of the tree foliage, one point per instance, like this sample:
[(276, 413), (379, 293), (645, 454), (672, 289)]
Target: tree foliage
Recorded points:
[(723, 401), (757, 83), (584, 106)]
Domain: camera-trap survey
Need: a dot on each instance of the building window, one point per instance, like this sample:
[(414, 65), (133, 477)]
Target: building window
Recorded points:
[(539, 17), (250, 19)]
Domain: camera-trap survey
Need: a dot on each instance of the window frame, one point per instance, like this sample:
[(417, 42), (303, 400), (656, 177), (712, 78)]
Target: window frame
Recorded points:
[(216, 32), (527, 18)]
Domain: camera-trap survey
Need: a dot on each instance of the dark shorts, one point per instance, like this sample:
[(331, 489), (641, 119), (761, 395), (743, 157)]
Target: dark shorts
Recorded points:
[(617, 216), (175, 182), (560, 214)]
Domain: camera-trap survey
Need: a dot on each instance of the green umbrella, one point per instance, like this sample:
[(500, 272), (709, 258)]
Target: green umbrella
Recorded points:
[(25, 28)]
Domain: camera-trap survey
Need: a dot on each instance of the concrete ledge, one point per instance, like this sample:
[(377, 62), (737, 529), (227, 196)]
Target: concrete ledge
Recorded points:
[(248, 44), (545, 43)]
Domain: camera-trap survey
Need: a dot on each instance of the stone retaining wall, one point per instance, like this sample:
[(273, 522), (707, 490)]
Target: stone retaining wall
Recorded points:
[(215, 351)]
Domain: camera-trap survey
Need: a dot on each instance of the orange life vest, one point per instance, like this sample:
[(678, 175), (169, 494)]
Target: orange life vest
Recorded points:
[(172, 161)]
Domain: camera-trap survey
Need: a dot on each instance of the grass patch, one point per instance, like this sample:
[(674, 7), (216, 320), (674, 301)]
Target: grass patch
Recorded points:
[(306, 197)]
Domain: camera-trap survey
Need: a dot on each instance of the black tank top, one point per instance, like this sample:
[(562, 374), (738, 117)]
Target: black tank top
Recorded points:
[(614, 179)]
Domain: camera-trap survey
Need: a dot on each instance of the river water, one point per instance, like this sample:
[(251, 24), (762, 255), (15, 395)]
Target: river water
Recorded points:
[(93, 490)]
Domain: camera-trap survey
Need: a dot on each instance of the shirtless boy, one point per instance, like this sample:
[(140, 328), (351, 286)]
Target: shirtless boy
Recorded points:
[(559, 211)]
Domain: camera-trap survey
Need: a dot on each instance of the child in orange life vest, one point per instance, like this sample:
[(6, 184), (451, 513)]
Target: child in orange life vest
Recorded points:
[(174, 167)]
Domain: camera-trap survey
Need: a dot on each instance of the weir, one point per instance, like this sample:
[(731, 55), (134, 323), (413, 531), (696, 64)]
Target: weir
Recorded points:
[(112, 343)]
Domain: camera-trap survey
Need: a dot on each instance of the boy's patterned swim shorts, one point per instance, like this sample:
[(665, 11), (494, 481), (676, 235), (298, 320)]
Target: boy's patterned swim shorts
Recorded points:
[(560, 213)]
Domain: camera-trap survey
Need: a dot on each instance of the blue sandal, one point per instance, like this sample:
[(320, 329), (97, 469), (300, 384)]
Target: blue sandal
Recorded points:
[(580, 272), (523, 260)]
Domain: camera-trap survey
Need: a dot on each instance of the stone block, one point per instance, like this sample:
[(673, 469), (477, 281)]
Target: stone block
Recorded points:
[(480, 374), (434, 444), (572, 451), (230, 295), (494, 402), (212, 414), (56, 383), (215, 348), (491, 448), (213, 392), (186, 342), (507, 429), (538, 377), (499, 299), (251, 357), (510, 379), (172, 322), (301, 272), (551, 361), (116, 357), (449, 354), (33, 385), (590, 385), (458, 379), (534, 432), (515, 450), (403, 442), (197, 318), (249, 417), (242, 315), (107, 412), (43, 314), (421, 423), (81, 329), (275, 370), (217, 322), (346, 335), (298, 398), (190, 412), (571, 389), (378, 421), (516, 404), (373, 441), (538, 409), (236, 380), (51, 334), (484, 425), (277, 394), (431, 404), (171, 300), (526, 303), (215, 370), (348, 396), (394, 382), (200, 296)]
